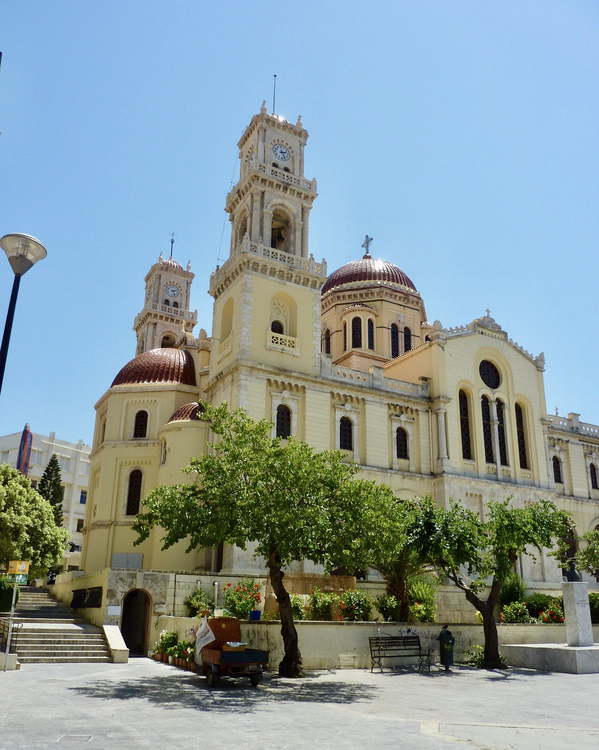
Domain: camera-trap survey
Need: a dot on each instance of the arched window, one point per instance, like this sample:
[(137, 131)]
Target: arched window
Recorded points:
[(465, 426), (279, 235), (594, 484), (140, 427), (134, 492), (327, 341), (394, 341), (346, 441), (501, 433), (166, 303), (283, 421), (401, 443), (370, 334), (345, 337), (356, 333), (407, 339), (521, 437), (276, 326), (168, 342), (242, 228), (175, 304), (486, 414), (557, 470)]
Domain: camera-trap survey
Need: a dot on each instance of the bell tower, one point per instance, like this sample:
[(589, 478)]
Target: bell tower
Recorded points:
[(267, 294), (271, 202), (166, 306)]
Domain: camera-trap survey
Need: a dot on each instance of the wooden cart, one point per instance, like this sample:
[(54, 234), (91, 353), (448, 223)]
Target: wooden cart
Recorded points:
[(218, 660)]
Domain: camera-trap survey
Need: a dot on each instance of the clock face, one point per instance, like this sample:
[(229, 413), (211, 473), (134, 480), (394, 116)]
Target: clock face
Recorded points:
[(172, 290), (281, 152)]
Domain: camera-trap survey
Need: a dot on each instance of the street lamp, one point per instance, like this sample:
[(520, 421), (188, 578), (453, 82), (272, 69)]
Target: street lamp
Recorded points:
[(22, 252)]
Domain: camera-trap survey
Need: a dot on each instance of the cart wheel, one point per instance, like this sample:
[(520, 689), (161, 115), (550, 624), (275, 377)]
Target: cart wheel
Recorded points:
[(256, 679), (212, 677)]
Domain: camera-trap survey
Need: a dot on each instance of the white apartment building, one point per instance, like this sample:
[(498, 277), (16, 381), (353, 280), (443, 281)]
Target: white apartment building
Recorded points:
[(74, 467)]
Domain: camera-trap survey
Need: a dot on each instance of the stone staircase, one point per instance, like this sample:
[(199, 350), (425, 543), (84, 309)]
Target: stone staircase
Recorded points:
[(51, 632)]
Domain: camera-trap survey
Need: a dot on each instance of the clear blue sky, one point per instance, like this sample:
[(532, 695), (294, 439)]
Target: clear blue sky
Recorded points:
[(462, 135)]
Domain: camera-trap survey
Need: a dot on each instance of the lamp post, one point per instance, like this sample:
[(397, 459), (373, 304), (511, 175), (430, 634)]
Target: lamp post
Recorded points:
[(22, 252)]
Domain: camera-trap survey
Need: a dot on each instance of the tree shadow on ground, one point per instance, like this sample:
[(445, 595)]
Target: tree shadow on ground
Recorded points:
[(192, 692)]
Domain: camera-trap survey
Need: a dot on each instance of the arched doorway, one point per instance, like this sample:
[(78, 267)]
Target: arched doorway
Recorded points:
[(134, 623)]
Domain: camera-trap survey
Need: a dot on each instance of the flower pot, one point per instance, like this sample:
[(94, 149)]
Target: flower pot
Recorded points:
[(171, 659), (255, 614)]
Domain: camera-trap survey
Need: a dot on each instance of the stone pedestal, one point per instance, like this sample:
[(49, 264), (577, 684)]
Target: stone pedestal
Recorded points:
[(579, 629), (553, 657), (579, 655)]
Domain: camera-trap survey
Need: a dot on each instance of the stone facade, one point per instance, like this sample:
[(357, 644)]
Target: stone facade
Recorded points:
[(352, 364)]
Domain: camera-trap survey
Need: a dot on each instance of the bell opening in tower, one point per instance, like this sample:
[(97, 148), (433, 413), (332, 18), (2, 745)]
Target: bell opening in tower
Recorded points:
[(278, 234)]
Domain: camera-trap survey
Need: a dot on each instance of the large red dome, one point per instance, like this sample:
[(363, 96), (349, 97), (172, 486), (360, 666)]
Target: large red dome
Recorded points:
[(158, 366), (366, 272)]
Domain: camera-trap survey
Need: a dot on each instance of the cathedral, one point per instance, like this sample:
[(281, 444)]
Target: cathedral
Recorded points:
[(346, 360)]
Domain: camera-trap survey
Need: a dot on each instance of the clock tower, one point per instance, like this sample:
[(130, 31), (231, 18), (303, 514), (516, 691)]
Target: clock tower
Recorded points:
[(267, 294), (166, 307)]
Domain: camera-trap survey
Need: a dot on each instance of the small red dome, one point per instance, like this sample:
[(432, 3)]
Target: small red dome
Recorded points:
[(367, 271), (187, 412), (159, 366), (172, 263)]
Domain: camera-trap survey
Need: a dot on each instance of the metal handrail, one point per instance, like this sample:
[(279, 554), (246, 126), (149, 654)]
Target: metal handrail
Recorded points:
[(16, 627)]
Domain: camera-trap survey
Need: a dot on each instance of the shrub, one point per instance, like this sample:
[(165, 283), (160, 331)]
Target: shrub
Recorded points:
[(6, 592), (538, 602), (594, 605), (553, 614), (516, 612), (421, 599), (298, 608), (199, 602), (512, 590), (242, 598), (321, 604), (476, 657), (388, 606), (167, 640), (355, 605)]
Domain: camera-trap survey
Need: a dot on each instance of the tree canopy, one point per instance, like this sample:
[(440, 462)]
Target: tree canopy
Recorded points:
[(474, 553), (288, 500), (27, 527), (50, 487)]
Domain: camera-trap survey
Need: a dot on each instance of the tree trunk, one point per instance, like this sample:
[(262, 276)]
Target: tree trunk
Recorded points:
[(492, 658), (398, 587), (291, 666)]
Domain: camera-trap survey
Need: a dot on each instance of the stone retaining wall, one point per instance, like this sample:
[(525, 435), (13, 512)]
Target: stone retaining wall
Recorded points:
[(344, 645)]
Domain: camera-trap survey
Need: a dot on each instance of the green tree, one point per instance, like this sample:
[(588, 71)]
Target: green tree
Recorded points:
[(50, 487), (28, 530), (407, 563), (288, 501), (587, 556), (475, 554)]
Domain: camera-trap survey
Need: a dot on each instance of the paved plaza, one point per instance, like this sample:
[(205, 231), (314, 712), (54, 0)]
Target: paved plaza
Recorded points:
[(145, 704)]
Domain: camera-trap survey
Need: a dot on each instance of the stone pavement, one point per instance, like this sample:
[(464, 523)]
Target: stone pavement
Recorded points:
[(145, 704)]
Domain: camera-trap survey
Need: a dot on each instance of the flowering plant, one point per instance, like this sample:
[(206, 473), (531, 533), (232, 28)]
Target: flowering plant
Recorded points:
[(355, 605), (553, 613), (242, 598)]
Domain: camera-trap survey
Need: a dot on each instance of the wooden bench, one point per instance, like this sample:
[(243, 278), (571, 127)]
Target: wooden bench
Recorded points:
[(398, 647)]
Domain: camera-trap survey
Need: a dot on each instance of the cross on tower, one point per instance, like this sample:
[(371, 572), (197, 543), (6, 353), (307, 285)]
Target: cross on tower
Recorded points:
[(366, 244)]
